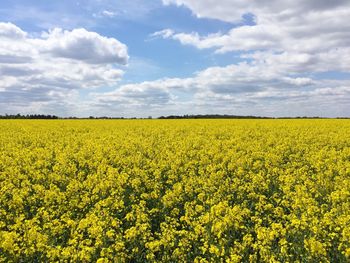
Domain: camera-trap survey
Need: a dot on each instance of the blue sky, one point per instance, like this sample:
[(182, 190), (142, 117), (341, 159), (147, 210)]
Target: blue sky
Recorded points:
[(141, 58)]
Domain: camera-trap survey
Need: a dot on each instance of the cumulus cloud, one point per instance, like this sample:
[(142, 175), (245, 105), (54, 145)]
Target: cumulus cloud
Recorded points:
[(245, 88), (233, 10), (10, 31), (285, 46), (136, 95), (310, 35), (82, 45), (36, 70)]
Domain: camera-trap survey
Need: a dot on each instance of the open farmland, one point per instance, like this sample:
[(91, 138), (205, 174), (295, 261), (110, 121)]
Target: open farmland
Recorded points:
[(175, 190)]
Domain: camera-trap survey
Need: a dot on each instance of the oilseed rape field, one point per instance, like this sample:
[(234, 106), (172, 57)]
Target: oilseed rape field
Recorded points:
[(175, 191)]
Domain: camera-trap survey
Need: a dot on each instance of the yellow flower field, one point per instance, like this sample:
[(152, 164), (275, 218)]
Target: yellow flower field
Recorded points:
[(175, 191)]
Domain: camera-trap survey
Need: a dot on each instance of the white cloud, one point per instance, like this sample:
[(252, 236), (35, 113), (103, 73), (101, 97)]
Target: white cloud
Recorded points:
[(304, 35), (233, 10), (35, 70), (288, 44), (300, 62), (109, 13), (10, 31), (166, 33), (245, 88), (82, 45)]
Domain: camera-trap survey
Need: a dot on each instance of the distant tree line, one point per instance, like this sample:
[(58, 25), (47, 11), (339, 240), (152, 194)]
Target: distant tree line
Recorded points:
[(199, 116), (212, 116), (226, 116), (28, 116), (105, 117)]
